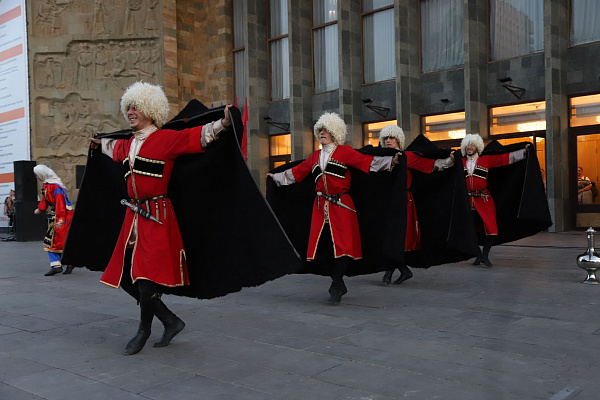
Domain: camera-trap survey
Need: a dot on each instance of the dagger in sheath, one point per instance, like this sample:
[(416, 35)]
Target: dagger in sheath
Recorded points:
[(335, 200), (140, 211)]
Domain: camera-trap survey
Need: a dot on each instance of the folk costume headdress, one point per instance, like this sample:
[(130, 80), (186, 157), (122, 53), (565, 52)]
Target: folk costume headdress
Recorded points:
[(392, 131), (149, 99), (333, 124), (47, 175), (471, 140)]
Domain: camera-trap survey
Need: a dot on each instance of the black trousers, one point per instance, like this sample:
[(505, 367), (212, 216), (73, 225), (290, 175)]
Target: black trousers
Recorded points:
[(143, 288), (336, 267)]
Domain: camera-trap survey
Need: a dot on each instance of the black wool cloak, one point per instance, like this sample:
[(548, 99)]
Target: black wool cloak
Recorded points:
[(519, 194), (443, 211), (375, 196), (231, 236)]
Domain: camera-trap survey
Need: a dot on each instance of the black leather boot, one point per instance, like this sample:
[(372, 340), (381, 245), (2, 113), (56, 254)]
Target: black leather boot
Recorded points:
[(478, 258), (53, 271), (173, 324), (338, 287), (487, 246), (336, 291), (387, 277), (405, 274), (147, 307), (68, 270)]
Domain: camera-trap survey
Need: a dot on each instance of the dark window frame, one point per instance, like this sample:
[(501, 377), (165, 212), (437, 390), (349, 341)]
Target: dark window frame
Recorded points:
[(362, 44), (269, 41)]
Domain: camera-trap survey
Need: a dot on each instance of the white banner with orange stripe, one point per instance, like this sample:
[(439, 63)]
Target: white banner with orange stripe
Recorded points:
[(14, 94)]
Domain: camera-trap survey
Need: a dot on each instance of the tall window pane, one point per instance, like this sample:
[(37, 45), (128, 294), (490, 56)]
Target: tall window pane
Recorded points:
[(238, 24), (280, 69), (379, 45), (585, 21), (370, 5), (325, 45), (279, 49), (324, 11), (516, 27), (240, 76), (239, 41), (442, 39)]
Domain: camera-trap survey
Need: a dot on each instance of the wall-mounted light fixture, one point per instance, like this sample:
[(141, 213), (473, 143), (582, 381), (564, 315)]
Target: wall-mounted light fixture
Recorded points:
[(383, 111), (517, 91), (284, 126)]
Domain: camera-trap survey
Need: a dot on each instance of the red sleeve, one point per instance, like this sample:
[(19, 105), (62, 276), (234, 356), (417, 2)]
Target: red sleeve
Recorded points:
[(418, 163), (494, 161), (121, 150), (43, 204), (302, 170), (356, 159), (187, 141)]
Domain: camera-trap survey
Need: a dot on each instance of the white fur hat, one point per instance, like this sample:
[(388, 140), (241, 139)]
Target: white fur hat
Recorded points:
[(333, 124), (393, 131), (474, 140), (149, 99)]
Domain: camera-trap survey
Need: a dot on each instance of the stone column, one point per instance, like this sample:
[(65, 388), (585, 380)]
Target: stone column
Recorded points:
[(475, 61), (349, 43), (407, 68), (300, 78), (557, 115), (257, 83)]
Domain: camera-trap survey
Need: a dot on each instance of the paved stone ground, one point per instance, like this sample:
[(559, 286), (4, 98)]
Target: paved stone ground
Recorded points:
[(524, 329)]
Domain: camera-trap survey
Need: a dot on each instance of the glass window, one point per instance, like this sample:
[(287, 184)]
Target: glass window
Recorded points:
[(450, 126), (371, 132), (280, 150), (588, 168), (540, 149), (516, 28), (585, 110), (239, 49), (585, 21), (325, 42), (521, 123), (527, 117), (442, 38), (279, 50), (378, 44)]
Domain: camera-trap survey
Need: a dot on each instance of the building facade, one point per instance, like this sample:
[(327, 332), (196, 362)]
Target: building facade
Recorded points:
[(512, 70)]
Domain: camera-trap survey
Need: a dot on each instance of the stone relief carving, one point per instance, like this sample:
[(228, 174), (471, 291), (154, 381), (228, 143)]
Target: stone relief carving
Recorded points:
[(123, 17), (89, 76), (65, 125), (84, 72), (99, 13), (131, 10), (87, 63), (151, 22), (47, 16), (49, 71)]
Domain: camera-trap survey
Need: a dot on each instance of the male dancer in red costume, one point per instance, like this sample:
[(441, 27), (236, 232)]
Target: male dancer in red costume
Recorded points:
[(334, 232), (392, 136), (149, 253), (482, 204)]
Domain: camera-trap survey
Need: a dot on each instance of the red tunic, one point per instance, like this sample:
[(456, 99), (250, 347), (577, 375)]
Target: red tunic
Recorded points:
[(158, 253), (413, 233), (477, 184), (54, 195), (345, 233)]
